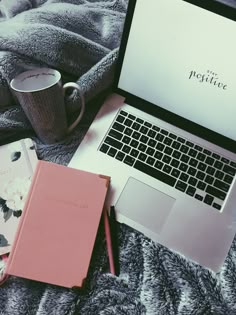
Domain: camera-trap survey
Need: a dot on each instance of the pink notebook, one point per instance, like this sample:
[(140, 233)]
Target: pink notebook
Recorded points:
[(57, 231)]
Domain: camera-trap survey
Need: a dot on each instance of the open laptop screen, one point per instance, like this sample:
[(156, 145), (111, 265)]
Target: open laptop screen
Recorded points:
[(181, 57)]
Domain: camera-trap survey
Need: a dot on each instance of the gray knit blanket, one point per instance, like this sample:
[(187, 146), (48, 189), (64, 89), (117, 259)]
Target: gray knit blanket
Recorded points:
[(81, 38)]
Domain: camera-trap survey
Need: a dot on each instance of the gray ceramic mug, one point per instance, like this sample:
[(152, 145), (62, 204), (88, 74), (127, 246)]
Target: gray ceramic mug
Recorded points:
[(41, 96)]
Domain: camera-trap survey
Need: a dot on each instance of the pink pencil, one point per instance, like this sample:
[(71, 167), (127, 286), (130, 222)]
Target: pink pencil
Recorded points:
[(109, 242)]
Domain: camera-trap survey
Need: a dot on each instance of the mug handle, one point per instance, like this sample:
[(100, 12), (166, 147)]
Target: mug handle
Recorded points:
[(82, 109)]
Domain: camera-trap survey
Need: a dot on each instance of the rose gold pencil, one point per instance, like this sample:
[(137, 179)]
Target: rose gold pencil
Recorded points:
[(109, 241)]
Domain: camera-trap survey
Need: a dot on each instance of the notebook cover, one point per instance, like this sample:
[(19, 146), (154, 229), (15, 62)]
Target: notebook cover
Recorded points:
[(18, 162), (57, 232)]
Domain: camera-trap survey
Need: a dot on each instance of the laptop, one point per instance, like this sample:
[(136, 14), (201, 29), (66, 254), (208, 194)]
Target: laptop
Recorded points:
[(166, 136)]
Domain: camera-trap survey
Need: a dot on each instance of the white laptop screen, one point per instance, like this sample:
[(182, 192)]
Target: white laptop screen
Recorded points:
[(182, 58)]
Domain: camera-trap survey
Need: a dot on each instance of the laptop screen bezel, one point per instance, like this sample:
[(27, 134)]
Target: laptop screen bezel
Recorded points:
[(158, 111)]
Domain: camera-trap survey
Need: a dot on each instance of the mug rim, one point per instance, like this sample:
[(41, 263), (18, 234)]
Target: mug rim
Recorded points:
[(34, 71)]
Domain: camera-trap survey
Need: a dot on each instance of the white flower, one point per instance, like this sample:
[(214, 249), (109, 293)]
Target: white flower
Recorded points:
[(15, 192)]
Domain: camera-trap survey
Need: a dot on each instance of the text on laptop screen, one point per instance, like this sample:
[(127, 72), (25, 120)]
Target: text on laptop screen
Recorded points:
[(182, 58)]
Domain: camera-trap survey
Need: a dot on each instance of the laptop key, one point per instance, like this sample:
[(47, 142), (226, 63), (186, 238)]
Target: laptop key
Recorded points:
[(150, 151), (164, 132), (112, 152), (233, 164), (131, 116), (218, 165), (168, 150), (184, 158), (156, 128), (134, 153), (219, 174), (192, 181), (201, 166), (172, 136), (159, 165), (184, 177), (174, 163), (120, 156), (182, 140), (209, 179), (104, 148), (160, 146), (221, 185), (229, 170), (139, 120), (197, 147), (136, 135), (152, 134), (126, 149), (134, 143), (143, 130), (216, 205), (176, 154), (167, 168), (192, 152), (200, 175), (152, 143), (198, 197), (158, 155), (142, 156), (159, 137), (147, 124), (207, 152), (167, 141), (166, 159), (123, 113), (183, 167), (193, 162), (215, 192), (165, 178), (113, 142), (142, 147), (210, 170), (208, 199), (181, 186), (191, 191), (126, 139), (201, 156), (136, 126), (128, 122), (129, 160), (175, 172), (115, 134), (150, 160), (226, 161), (190, 144), (210, 161), (128, 131), (118, 127), (144, 139), (191, 171), (175, 145), (120, 119), (228, 179), (215, 156), (201, 185), (184, 148)]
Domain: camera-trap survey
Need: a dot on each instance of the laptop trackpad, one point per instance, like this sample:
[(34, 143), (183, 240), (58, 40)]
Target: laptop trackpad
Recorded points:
[(144, 204)]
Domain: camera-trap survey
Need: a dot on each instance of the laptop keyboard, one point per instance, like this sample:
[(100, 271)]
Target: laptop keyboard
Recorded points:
[(180, 163)]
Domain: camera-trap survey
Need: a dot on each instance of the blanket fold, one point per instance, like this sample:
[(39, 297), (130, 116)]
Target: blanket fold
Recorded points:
[(78, 38)]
